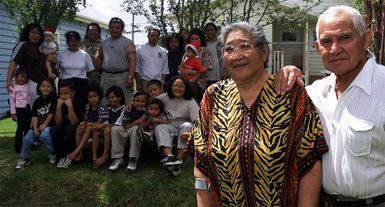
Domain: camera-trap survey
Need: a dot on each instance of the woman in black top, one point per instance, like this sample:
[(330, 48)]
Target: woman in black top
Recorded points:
[(175, 53), (26, 55)]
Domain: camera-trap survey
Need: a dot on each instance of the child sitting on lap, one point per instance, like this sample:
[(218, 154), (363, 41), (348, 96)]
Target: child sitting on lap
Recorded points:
[(95, 113), (130, 122), (116, 102)]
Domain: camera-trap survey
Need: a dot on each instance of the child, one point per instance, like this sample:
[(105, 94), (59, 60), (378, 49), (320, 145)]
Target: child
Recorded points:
[(128, 124), (43, 111), (49, 49), (116, 102), (155, 115), (95, 113), (69, 111), (154, 88), (191, 67), (19, 104)]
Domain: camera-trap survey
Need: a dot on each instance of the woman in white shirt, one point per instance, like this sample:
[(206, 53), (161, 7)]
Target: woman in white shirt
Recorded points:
[(74, 63)]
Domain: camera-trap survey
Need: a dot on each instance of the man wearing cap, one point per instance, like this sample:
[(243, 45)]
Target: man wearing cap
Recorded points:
[(117, 58), (152, 60)]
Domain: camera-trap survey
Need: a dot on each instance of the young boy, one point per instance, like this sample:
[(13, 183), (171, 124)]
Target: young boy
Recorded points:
[(69, 112), (154, 88), (130, 122), (49, 49)]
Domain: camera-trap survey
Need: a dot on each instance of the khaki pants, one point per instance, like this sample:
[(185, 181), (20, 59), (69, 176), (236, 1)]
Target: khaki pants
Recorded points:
[(120, 79), (165, 134), (119, 136)]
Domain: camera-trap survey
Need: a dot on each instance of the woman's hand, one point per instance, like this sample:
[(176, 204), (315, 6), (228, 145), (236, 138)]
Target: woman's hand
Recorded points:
[(42, 127), (14, 117), (9, 86)]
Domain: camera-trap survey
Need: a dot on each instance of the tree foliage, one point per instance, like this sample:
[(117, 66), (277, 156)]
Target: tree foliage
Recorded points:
[(45, 12), (171, 14), (374, 11)]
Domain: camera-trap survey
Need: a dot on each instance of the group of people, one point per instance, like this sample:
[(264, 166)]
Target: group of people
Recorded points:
[(257, 139), (97, 97)]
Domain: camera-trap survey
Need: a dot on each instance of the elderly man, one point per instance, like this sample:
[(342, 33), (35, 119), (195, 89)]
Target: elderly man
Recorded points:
[(152, 60), (351, 106), (117, 57)]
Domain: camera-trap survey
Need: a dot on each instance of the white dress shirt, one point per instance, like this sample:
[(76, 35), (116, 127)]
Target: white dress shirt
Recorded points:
[(354, 130)]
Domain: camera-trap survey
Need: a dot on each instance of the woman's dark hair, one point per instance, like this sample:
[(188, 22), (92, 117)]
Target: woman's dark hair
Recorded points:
[(158, 102), (72, 34), (154, 81), (201, 35), (95, 88), (211, 24), (50, 81), (66, 83), (118, 93), (27, 29), (178, 37), (92, 24), (188, 94)]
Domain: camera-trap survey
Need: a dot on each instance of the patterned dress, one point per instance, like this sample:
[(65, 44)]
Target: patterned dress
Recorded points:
[(256, 156), (91, 48)]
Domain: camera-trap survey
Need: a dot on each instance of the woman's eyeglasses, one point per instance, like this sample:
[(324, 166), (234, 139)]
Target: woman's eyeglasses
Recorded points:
[(244, 47)]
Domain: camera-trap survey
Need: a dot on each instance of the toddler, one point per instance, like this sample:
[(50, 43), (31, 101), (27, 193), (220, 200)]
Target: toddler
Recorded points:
[(19, 104), (49, 49)]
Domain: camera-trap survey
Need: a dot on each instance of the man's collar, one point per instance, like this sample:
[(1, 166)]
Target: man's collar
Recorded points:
[(365, 77)]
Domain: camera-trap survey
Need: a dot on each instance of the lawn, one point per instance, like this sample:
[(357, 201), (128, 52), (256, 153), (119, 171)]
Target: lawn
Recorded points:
[(42, 184)]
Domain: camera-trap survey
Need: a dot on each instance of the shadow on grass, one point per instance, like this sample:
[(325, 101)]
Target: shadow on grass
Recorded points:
[(42, 184)]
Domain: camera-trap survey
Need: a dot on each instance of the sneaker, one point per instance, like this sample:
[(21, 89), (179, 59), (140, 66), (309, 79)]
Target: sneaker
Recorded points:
[(132, 164), (52, 158), (171, 160), (21, 163), (66, 163), (172, 170), (61, 162), (143, 136), (116, 163)]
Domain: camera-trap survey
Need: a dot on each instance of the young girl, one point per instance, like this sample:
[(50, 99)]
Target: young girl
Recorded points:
[(95, 113), (116, 102), (155, 115), (126, 129), (19, 104), (43, 111)]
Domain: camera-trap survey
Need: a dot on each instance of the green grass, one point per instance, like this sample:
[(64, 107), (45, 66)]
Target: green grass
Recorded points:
[(42, 184), (7, 127)]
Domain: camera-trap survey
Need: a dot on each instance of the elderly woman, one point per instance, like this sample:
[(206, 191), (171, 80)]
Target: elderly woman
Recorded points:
[(26, 56), (91, 45), (181, 110), (74, 63), (252, 146)]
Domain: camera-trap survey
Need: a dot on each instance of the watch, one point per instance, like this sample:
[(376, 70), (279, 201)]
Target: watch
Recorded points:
[(201, 184), (130, 77)]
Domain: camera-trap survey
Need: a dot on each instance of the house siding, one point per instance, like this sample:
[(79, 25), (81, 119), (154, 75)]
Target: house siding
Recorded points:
[(9, 38)]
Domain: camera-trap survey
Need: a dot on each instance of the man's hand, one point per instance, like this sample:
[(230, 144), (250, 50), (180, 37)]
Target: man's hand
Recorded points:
[(286, 77), (130, 82), (9, 86)]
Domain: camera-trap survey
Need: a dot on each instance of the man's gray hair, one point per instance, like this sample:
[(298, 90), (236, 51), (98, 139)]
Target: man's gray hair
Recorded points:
[(330, 13), (256, 31)]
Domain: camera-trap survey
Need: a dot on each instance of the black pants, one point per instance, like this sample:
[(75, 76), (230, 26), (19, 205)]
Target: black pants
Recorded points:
[(64, 139), (79, 86), (23, 125)]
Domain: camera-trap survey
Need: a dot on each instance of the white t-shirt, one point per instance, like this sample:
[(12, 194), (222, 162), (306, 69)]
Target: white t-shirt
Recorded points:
[(74, 64), (152, 62)]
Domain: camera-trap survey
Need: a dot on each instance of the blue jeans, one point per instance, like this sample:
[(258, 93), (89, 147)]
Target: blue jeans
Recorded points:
[(29, 138)]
